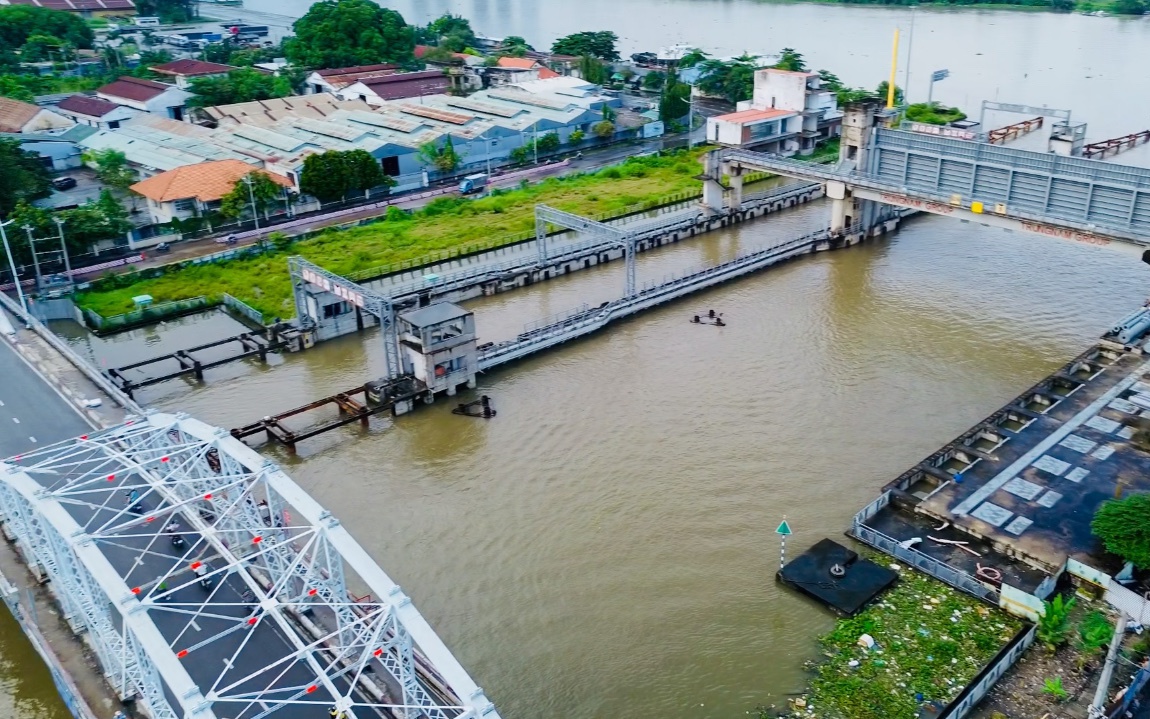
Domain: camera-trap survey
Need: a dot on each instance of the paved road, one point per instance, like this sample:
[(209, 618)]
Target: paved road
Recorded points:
[(31, 413)]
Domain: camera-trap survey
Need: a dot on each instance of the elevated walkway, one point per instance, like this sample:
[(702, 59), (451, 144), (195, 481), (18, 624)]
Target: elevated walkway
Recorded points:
[(1045, 193)]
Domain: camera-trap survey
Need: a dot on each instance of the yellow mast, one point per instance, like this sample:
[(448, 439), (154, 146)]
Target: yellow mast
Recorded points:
[(893, 70)]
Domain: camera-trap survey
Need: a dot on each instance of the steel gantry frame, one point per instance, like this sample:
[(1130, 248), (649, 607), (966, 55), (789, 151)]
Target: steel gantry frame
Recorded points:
[(545, 215), (250, 614), (381, 306)]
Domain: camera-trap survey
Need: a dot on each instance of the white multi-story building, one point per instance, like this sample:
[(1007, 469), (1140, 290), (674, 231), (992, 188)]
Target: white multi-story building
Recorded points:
[(788, 114)]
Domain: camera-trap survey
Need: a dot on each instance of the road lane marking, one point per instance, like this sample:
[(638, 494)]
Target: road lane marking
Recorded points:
[(195, 626), (16, 420), (1, 403), (33, 439)]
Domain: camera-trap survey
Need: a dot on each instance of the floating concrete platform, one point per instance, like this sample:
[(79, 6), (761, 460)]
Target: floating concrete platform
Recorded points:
[(1024, 484), (837, 577)]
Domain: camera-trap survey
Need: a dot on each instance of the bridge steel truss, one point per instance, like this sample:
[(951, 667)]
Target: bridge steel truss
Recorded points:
[(1038, 191), (599, 231), (252, 615), (381, 306)]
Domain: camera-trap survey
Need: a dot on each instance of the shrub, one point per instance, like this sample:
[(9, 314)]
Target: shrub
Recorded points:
[(603, 130), (1095, 632), (575, 137), (1054, 624), (1053, 687)]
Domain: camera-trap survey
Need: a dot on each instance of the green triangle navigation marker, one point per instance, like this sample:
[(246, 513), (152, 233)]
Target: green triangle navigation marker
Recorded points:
[(784, 528)]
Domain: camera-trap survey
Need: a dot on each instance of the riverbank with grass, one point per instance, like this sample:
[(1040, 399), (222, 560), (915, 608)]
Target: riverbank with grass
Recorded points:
[(443, 225), (930, 640)]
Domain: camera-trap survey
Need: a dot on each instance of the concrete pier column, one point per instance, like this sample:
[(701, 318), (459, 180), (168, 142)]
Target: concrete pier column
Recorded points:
[(840, 204), (712, 188), (736, 198)]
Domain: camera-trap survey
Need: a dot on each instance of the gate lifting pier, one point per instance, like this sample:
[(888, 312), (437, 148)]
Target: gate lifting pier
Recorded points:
[(251, 344)]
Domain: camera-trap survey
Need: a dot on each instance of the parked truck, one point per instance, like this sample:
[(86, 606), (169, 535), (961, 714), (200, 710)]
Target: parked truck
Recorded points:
[(473, 183)]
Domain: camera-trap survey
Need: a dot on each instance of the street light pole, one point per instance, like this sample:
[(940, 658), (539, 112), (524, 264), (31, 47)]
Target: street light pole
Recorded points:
[(35, 259), (535, 140), (690, 117), (63, 247), (252, 196), (12, 264)]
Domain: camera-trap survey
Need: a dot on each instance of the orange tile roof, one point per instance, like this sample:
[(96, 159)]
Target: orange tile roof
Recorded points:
[(744, 116), (517, 63), (546, 73), (14, 115), (205, 181)]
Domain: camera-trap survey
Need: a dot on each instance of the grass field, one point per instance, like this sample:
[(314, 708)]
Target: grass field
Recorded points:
[(446, 223)]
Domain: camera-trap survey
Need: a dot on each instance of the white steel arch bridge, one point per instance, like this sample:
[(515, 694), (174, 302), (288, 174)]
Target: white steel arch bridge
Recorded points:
[(249, 613)]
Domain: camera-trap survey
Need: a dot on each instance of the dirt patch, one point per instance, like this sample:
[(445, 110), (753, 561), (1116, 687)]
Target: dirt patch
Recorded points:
[(1023, 692)]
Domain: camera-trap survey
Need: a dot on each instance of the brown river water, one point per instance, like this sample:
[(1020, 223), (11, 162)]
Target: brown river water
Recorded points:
[(605, 546)]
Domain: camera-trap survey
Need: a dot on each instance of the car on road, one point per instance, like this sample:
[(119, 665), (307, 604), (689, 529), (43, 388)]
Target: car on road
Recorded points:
[(64, 183)]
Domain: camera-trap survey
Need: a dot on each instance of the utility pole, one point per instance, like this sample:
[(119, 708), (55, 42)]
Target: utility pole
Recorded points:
[(63, 247), (535, 140), (12, 265), (35, 259), (252, 196)]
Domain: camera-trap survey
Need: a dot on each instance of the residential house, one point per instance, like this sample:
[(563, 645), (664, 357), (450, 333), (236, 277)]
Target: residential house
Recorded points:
[(801, 92), (378, 90), (768, 130), (16, 116), (83, 8), (94, 112), (146, 95), (336, 79), (516, 70), (193, 190), (185, 70)]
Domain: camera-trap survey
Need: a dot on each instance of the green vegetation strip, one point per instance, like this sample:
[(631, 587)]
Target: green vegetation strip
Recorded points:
[(442, 226), (930, 639)]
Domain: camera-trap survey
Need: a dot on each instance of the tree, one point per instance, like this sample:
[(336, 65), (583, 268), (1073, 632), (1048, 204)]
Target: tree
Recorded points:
[(18, 23), (654, 80), (340, 33), (676, 99), (24, 176), (41, 48), (444, 159), (831, 81), (592, 70), (575, 137), (603, 130), (101, 219), (549, 142), (733, 80), (452, 32), (331, 175), (514, 46), (1123, 525), (10, 87), (112, 168), (693, 57), (882, 88), (1129, 7), (522, 155), (791, 60), (264, 192), (242, 85), (596, 44)]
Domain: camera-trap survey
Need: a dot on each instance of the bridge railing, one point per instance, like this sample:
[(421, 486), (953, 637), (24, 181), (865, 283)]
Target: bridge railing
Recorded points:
[(69, 354)]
